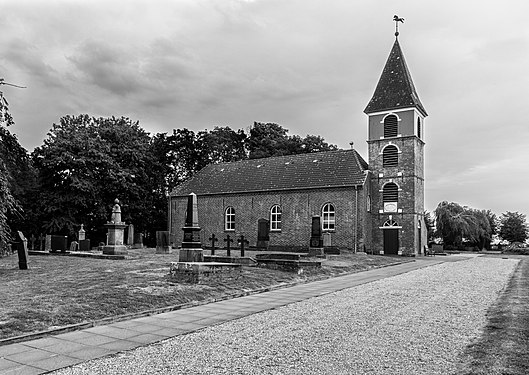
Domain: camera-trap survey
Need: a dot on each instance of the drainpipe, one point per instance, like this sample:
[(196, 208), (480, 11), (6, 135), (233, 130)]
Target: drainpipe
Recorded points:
[(356, 220)]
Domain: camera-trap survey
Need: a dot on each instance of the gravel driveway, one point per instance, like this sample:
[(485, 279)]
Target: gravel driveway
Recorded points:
[(415, 323)]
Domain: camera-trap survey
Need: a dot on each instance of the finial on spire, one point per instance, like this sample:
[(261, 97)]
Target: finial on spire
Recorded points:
[(397, 19)]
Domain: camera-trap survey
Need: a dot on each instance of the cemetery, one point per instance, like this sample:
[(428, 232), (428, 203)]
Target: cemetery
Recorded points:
[(54, 286)]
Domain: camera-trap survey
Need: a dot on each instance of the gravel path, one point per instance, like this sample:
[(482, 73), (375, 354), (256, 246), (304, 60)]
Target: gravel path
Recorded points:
[(415, 323)]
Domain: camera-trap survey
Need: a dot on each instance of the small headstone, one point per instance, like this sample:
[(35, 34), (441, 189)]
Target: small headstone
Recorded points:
[(59, 243), (162, 242), (138, 241), (74, 246), (47, 246), (130, 235), (84, 245), (23, 252)]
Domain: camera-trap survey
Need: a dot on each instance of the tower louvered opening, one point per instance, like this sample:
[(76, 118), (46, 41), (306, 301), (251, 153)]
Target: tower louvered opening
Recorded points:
[(390, 156), (390, 193), (390, 126)]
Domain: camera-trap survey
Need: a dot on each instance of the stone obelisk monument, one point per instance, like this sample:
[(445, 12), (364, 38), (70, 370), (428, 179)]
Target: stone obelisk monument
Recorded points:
[(116, 230), (191, 250)]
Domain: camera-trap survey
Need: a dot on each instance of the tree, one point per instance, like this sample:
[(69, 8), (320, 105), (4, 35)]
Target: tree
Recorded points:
[(453, 223), (429, 221), (84, 164), (513, 227), (270, 139)]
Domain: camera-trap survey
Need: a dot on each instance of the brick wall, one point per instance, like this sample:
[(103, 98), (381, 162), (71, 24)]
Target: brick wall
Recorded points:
[(298, 207)]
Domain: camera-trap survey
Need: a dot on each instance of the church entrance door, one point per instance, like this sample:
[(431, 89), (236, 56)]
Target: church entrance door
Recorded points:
[(391, 241)]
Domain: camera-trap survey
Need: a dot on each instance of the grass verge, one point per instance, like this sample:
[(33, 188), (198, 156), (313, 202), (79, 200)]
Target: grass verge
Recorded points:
[(503, 347), (58, 290)]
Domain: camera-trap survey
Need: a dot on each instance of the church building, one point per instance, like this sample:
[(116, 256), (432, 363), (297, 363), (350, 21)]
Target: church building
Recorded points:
[(376, 207)]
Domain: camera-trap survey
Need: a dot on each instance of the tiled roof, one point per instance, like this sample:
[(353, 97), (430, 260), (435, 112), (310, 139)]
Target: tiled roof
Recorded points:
[(316, 170), (395, 88)]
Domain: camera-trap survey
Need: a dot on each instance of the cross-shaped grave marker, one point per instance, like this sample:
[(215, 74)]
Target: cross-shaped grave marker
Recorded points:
[(42, 238), (228, 241), (32, 239), (213, 239), (242, 241)]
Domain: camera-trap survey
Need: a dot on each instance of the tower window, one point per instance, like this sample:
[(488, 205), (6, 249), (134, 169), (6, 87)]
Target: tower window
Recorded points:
[(419, 127), (327, 213), (275, 218), (229, 219), (390, 192), (390, 126), (390, 156)]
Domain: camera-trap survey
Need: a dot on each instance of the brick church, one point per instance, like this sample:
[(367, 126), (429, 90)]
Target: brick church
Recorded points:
[(375, 207)]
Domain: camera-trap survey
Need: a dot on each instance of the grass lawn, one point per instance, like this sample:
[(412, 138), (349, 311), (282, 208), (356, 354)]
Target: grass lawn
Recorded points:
[(503, 347), (60, 290)]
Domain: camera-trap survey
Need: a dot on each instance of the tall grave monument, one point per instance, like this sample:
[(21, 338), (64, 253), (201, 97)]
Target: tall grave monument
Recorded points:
[(191, 250), (116, 231)]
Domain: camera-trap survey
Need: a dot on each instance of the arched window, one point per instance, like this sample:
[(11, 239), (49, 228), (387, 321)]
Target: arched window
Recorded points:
[(390, 156), (275, 218), (390, 223), (390, 126), (328, 217), (390, 192), (229, 219), (419, 127)]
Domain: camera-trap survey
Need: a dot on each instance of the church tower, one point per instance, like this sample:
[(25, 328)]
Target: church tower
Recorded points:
[(396, 161)]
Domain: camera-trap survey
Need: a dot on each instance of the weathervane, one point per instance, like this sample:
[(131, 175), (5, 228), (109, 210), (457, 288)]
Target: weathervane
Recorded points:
[(397, 19)]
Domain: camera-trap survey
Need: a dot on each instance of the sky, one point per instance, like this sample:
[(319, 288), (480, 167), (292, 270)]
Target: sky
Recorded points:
[(309, 65)]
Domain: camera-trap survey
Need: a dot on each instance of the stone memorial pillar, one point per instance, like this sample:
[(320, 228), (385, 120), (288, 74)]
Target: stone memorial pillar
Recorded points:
[(316, 241), (191, 250), (162, 242), (116, 230), (81, 234)]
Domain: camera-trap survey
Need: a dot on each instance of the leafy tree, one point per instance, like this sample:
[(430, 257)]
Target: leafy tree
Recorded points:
[(453, 222), (429, 220), (513, 227), (270, 139), (15, 175), (84, 164)]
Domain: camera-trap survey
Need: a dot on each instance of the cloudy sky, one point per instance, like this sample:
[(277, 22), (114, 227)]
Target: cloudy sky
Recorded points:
[(309, 65)]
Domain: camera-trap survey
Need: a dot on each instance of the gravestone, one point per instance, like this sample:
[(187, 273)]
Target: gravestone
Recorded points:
[(191, 250), (33, 239), (130, 235), (242, 242), (316, 241), (213, 239), (84, 245), (47, 245), (23, 252), (116, 230), (41, 242), (162, 242), (263, 234), (138, 241), (228, 241), (81, 234), (59, 243)]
